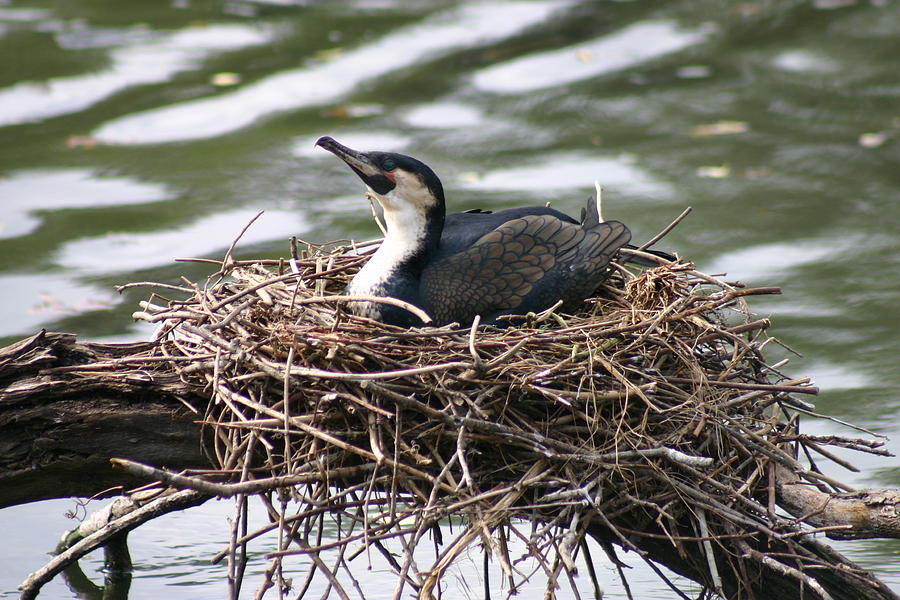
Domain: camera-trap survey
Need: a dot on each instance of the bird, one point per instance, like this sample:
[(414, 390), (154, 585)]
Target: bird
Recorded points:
[(455, 267)]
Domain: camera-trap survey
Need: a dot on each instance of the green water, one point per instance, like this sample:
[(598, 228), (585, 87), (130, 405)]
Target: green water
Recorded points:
[(134, 133)]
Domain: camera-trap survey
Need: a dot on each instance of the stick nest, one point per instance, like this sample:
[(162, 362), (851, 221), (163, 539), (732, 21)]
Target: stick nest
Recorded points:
[(649, 421)]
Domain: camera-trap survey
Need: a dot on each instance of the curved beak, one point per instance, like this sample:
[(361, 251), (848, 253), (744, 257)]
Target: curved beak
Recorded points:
[(367, 169)]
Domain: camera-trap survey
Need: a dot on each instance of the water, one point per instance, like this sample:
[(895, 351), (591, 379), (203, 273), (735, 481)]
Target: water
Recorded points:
[(134, 134)]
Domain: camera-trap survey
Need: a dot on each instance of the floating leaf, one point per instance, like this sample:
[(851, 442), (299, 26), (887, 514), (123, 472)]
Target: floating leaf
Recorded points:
[(757, 172), (81, 141), (353, 111), (225, 79), (714, 172), (873, 140), (832, 4), (720, 128), (746, 9), (328, 54), (584, 55), (693, 72)]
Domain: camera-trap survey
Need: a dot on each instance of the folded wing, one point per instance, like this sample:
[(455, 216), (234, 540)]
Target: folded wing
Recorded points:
[(526, 264)]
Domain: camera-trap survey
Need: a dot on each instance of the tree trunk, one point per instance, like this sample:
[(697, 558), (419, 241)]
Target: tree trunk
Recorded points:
[(62, 418), (688, 559)]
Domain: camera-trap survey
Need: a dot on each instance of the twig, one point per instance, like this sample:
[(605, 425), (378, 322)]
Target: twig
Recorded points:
[(378, 299), (666, 229), (771, 387), (177, 501), (708, 550), (227, 490), (227, 259)]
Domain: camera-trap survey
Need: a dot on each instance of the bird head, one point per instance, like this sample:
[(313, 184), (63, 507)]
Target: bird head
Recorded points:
[(400, 183)]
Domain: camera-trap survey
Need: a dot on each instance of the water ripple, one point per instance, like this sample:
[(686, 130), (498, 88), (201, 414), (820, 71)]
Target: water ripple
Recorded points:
[(630, 46), (567, 171), (139, 63), (325, 82), (130, 252), (28, 193)]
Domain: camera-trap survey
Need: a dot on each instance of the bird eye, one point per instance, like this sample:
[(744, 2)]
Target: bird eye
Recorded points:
[(389, 165)]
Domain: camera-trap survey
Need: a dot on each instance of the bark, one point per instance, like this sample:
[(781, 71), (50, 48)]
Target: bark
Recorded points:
[(66, 408), (59, 425), (865, 513), (848, 582)]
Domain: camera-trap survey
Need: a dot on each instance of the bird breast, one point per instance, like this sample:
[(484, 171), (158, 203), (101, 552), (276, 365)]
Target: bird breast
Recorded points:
[(378, 276)]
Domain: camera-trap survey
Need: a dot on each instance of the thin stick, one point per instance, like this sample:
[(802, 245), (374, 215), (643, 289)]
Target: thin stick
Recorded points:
[(228, 252), (371, 198), (666, 229), (378, 299), (227, 490)]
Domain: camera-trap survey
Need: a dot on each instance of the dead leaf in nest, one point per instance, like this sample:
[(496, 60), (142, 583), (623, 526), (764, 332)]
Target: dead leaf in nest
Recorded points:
[(656, 288), (720, 128)]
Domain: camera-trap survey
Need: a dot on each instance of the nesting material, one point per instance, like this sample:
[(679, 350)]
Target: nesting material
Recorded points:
[(649, 418)]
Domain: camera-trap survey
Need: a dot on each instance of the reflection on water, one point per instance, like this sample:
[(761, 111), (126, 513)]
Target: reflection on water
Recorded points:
[(623, 48), (777, 122), (132, 252), (44, 297), (443, 115), (572, 172), (172, 555), (133, 60), (361, 140), (803, 61), (28, 194), (773, 263), (325, 82)]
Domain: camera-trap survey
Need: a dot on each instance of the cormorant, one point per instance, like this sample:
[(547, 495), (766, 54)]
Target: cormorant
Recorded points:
[(457, 266)]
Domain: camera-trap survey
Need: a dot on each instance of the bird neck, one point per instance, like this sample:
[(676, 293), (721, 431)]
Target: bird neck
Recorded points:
[(412, 237)]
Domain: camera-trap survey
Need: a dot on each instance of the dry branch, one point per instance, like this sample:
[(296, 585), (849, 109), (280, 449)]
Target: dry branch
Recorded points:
[(163, 505)]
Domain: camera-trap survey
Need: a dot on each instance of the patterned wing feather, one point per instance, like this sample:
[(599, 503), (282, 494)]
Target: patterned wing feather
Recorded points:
[(525, 264)]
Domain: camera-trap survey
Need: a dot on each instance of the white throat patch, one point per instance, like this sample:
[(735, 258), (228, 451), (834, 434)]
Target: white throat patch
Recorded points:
[(405, 219)]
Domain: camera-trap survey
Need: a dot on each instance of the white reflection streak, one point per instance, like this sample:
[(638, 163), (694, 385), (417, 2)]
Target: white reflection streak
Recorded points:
[(567, 171), (632, 45), (326, 82), (132, 251), (772, 261), (28, 195), (136, 64)]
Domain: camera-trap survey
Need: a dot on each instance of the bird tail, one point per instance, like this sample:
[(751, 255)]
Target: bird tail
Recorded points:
[(590, 215), (590, 218)]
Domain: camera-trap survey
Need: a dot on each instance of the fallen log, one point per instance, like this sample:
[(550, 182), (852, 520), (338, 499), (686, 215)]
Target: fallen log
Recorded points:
[(65, 410)]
